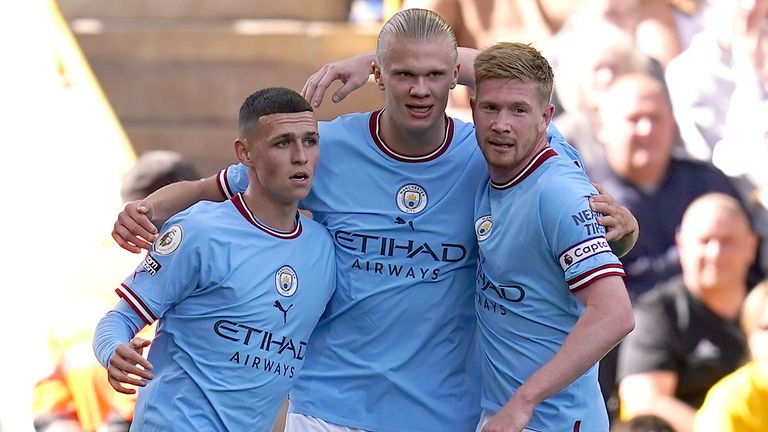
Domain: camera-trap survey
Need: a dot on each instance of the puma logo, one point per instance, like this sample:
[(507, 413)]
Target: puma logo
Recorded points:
[(280, 307)]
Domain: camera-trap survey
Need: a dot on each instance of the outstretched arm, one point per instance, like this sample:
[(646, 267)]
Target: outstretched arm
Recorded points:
[(136, 226), (607, 318)]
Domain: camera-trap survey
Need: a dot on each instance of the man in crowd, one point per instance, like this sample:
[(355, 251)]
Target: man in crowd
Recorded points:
[(687, 336)]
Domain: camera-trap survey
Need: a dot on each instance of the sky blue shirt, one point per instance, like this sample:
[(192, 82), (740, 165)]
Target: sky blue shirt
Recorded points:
[(236, 303), (396, 350), (539, 243)]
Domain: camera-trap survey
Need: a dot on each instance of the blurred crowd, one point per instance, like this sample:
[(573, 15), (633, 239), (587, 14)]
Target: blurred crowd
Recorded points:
[(667, 102)]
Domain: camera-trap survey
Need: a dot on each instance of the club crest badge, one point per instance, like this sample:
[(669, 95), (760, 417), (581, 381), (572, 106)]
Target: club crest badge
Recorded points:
[(411, 199), (483, 227), (286, 281), (170, 240)]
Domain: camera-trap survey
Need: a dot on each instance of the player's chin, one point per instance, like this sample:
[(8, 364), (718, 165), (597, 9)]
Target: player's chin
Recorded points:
[(299, 192)]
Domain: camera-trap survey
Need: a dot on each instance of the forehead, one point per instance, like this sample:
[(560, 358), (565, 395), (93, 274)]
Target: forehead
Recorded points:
[(505, 90), (299, 123), (414, 55), (636, 95), (708, 220)]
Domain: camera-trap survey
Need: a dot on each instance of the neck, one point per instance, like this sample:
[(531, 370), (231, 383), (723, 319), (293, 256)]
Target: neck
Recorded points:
[(725, 301), (410, 142), (276, 215), (648, 177)]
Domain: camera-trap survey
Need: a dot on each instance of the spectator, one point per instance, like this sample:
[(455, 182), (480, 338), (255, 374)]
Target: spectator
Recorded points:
[(739, 402), (687, 335), (582, 78), (75, 395), (724, 67), (637, 129)]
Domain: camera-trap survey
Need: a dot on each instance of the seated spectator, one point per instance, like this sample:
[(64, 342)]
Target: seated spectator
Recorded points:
[(635, 125), (75, 396), (739, 402), (582, 79), (687, 335)]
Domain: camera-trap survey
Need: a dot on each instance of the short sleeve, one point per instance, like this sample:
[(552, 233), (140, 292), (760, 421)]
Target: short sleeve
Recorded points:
[(575, 238), (168, 274), (232, 180)]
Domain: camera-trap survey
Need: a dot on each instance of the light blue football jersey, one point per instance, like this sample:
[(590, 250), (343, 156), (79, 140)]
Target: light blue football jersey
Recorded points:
[(539, 243), (236, 303), (396, 350)]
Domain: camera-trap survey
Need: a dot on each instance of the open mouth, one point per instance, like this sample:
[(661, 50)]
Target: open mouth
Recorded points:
[(419, 109), (501, 144), (300, 176)]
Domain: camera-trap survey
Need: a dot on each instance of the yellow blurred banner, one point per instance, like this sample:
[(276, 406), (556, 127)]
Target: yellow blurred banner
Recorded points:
[(63, 157)]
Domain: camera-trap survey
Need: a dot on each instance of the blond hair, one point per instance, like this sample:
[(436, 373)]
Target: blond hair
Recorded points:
[(511, 60), (420, 25)]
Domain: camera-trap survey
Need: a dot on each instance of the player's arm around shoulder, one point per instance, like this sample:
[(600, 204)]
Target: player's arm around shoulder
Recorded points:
[(592, 271)]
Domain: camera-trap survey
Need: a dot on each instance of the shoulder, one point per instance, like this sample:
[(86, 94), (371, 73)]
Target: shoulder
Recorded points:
[(705, 173), (696, 166), (562, 181), (344, 121), (316, 231), (663, 298), (197, 219), (463, 131)]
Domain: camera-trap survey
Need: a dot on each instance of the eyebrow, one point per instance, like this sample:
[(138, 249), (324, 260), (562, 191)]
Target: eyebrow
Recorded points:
[(291, 135)]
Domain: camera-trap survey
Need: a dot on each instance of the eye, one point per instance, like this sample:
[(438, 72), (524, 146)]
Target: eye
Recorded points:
[(404, 74), (520, 110), (435, 74), (282, 143), (310, 142)]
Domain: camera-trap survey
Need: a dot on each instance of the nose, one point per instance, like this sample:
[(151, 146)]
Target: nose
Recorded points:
[(713, 249), (501, 123), (644, 126), (419, 87), (299, 154)]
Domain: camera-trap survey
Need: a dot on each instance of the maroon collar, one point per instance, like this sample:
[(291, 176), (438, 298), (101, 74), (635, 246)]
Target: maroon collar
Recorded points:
[(374, 124)]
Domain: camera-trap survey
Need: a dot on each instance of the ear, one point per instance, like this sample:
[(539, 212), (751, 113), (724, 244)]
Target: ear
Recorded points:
[(242, 152), (472, 103), (546, 116), (455, 79), (377, 75)]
